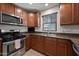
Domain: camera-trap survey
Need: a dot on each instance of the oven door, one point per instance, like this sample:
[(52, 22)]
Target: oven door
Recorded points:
[(8, 48)]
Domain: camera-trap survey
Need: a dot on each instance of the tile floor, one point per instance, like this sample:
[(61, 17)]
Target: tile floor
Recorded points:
[(32, 52)]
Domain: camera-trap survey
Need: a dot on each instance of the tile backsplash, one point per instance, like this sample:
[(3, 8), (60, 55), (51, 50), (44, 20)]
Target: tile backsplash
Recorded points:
[(11, 27), (70, 29)]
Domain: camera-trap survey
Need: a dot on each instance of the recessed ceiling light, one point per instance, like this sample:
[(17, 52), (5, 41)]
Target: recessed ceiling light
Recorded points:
[(46, 4)]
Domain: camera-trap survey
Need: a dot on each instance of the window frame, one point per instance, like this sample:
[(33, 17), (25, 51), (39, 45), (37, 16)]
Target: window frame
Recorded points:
[(50, 22)]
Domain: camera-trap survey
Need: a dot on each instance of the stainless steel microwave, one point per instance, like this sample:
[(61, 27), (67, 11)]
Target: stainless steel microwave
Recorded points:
[(10, 19)]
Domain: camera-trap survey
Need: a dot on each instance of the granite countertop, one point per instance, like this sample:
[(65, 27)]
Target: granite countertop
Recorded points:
[(47, 35), (54, 32), (73, 37), (70, 36), (57, 35)]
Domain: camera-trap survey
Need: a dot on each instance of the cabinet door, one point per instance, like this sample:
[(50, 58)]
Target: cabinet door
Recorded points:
[(76, 13), (70, 51), (40, 44), (25, 17), (18, 12), (37, 43), (50, 46), (36, 20), (32, 20), (61, 47), (34, 42), (7, 8), (66, 12), (0, 47), (28, 42)]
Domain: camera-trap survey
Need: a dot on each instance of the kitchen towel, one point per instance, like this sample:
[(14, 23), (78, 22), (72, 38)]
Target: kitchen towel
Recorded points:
[(17, 44)]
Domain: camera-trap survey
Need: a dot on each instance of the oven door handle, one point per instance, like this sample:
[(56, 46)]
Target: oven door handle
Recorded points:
[(12, 41), (8, 42)]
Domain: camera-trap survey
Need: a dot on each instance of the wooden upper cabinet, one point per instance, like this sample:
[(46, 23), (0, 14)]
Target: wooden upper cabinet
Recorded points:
[(29, 19), (7, 8), (32, 20), (66, 13), (76, 13), (69, 14), (25, 17), (18, 12)]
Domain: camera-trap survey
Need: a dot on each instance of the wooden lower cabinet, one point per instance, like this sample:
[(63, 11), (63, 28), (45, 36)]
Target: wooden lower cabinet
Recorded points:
[(64, 48), (40, 44), (34, 42), (37, 43), (28, 42), (50, 46), (61, 47), (0, 47), (70, 51)]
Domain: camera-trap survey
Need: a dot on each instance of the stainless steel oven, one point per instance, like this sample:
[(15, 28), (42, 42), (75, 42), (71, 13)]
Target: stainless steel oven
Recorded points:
[(9, 47)]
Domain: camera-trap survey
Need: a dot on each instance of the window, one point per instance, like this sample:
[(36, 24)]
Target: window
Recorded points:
[(49, 22)]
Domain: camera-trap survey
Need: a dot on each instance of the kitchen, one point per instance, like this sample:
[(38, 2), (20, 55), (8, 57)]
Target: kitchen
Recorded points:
[(51, 29)]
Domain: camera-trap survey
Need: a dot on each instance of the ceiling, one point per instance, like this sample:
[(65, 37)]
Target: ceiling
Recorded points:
[(36, 6)]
